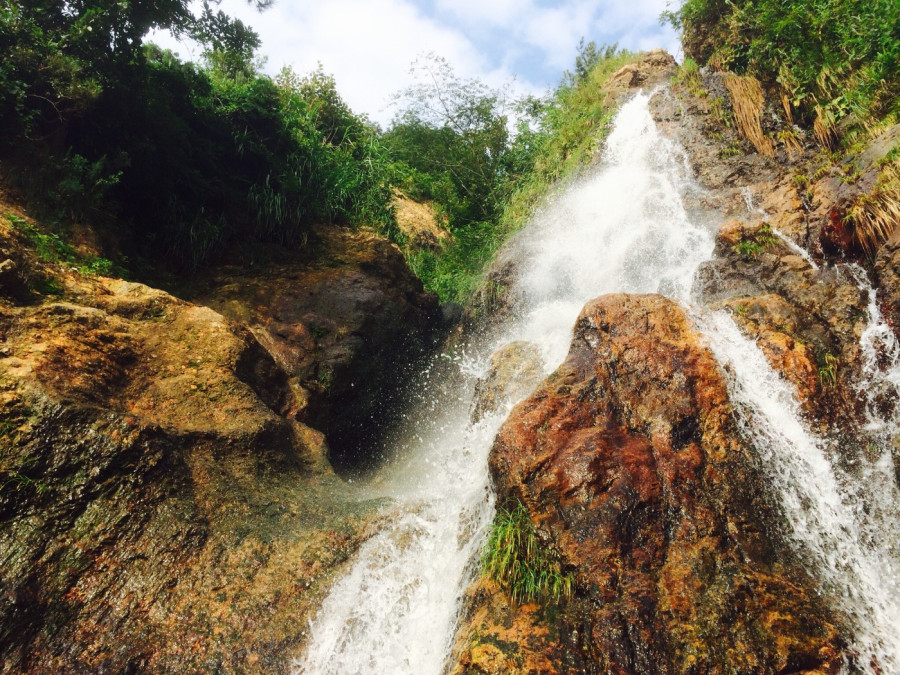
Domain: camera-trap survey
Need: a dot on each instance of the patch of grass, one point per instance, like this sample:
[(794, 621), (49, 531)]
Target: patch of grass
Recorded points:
[(874, 216), (829, 59), (515, 559), (733, 149), (748, 247), (48, 246), (720, 112), (51, 247), (688, 76), (828, 370), (800, 181)]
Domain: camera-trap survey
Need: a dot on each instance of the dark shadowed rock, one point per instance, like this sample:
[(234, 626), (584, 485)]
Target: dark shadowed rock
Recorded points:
[(345, 327), (161, 507)]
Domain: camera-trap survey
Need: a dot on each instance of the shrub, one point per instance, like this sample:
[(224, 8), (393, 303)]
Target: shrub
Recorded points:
[(830, 57)]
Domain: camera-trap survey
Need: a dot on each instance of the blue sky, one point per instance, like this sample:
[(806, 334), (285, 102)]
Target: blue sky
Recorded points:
[(369, 45)]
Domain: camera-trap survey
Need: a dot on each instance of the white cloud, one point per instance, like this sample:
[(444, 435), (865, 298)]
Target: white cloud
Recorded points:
[(503, 13), (369, 45)]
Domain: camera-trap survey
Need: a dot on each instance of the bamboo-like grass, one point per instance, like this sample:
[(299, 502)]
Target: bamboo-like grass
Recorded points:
[(875, 216), (747, 98)]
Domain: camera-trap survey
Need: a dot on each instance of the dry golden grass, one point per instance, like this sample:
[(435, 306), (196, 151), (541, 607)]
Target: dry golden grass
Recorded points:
[(823, 127), (875, 216), (747, 98), (788, 113)]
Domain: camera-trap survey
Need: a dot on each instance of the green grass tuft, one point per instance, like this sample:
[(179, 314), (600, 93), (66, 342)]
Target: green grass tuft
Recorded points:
[(515, 559)]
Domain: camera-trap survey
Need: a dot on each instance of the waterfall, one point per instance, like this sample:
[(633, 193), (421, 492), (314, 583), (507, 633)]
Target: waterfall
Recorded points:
[(837, 521), (622, 228)]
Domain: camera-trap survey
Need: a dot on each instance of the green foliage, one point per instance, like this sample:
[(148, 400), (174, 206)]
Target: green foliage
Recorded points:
[(748, 247), (187, 160), (760, 240), (516, 559), (840, 56), (51, 247), (688, 76), (455, 272), (828, 369), (436, 138), (451, 139)]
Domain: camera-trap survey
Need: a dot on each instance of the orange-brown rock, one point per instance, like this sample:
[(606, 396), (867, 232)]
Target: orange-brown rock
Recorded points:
[(500, 638), (630, 464), (162, 508), (802, 318)]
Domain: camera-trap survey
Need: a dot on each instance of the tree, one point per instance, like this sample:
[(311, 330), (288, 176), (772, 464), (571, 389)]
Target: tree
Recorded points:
[(453, 133)]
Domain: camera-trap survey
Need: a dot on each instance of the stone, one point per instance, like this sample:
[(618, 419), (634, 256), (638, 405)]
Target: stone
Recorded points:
[(515, 370), (420, 223), (348, 327), (630, 464), (12, 283), (162, 508), (887, 271)]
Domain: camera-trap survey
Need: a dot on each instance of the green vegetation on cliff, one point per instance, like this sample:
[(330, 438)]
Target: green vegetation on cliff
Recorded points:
[(515, 558), (831, 58), (455, 140), (175, 159)]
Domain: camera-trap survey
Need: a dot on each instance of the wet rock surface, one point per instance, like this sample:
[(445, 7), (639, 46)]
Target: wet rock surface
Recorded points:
[(347, 325), (629, 462), (163, 505), (515, 370)]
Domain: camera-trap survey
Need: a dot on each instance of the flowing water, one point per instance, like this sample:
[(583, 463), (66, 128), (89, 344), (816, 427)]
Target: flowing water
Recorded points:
[(843, 525), (621, 229)]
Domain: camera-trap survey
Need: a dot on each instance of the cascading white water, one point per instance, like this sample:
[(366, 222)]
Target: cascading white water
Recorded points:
[(829, 516), (623, 228)]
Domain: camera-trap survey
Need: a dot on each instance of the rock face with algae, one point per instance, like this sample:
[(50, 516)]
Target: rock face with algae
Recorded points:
[(165, 503)]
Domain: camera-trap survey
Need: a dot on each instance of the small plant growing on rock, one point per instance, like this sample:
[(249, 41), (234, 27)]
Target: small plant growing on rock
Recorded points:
[(688, 76), (828, 368), (515, 559), (733, 149), (748, 247), (760, 240)]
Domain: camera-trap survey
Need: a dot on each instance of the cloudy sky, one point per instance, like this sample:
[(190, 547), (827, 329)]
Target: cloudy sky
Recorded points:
[(369, 45)]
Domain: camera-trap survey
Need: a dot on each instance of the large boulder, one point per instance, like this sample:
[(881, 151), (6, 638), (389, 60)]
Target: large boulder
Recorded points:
[(162, 509), (629, 462)]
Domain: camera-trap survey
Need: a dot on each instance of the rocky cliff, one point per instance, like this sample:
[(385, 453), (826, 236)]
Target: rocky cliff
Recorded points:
[(166, 498)]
